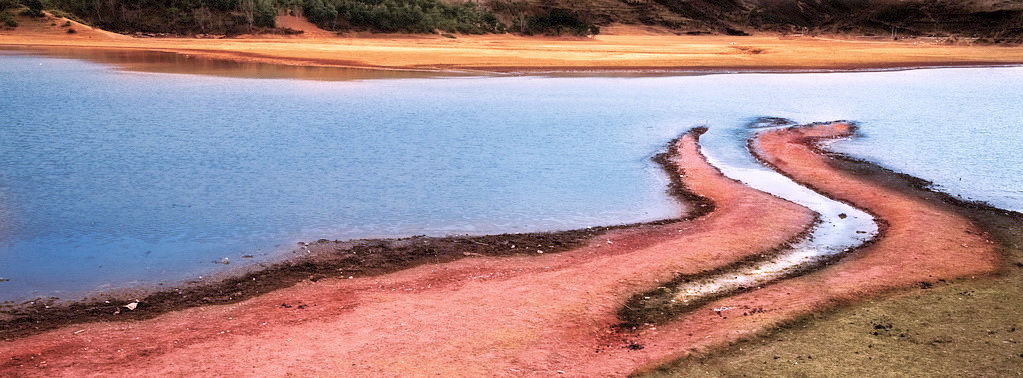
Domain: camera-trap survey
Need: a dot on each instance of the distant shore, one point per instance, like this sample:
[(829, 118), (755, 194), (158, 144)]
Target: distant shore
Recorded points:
[(619, 49)]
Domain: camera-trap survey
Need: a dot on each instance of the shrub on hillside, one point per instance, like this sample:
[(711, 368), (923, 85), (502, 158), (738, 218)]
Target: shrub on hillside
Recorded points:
[(34, 8), (7, 19), (556, 22), (531, 19)]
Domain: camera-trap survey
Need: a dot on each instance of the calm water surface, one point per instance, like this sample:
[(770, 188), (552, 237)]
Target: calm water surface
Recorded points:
[(111, 178)]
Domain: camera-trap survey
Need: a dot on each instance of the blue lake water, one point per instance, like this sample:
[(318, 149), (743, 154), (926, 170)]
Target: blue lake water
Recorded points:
[(111, 178)]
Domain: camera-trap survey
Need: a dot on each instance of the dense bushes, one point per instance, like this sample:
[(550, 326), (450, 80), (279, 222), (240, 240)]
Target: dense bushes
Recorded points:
[(245, 16), (6, 17), (557, 22), (34, 8), (242, 16), (174, 16), (537, 20), (410, 16)]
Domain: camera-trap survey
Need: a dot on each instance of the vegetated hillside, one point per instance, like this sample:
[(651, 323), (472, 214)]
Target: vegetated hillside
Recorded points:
[(410, 16), (995, 20), (7, 8), (232, 17), (987, 20), (174, 16)]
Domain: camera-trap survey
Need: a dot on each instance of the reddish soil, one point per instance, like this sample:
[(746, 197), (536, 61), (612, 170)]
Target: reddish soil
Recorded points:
[(533, 315), (921, 242), (548, 313)]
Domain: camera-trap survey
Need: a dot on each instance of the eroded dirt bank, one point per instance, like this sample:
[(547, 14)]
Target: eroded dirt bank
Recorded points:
[(478, 316)]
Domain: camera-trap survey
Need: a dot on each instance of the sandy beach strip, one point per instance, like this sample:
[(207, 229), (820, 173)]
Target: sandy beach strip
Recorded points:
[(620, 49)]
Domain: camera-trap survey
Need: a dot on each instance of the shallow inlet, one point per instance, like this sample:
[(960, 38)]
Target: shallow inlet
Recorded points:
[(840, 227), (107, 182)]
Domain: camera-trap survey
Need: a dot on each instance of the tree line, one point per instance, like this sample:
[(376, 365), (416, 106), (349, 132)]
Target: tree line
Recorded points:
[(409, 16), (232, 17)]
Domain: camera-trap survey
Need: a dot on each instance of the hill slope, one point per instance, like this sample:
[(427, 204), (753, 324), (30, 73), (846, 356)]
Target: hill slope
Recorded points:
[(990, 20)]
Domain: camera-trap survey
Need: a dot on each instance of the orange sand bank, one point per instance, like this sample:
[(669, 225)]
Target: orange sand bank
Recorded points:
[(620, 49)]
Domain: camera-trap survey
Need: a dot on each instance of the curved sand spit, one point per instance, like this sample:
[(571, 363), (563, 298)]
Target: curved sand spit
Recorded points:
[(538, 315)]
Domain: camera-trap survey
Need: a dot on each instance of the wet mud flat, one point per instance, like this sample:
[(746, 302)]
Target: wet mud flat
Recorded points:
[(546, 312), (318, 260), (591, 284), (315, 261)]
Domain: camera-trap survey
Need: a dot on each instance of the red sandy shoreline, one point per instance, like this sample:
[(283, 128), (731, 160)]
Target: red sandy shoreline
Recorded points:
[(919, 242), (544, 314), (477, 316)]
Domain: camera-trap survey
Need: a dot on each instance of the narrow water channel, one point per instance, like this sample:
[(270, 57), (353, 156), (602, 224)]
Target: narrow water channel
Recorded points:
[(840, 227)]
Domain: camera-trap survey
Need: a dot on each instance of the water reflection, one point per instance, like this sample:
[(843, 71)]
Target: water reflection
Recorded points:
[(176, 63)]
